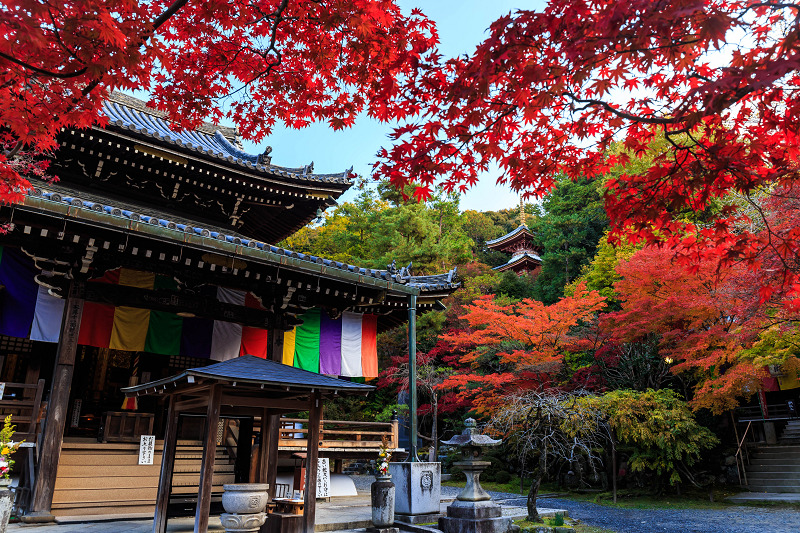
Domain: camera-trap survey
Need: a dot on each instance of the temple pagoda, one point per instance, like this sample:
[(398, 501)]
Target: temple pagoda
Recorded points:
[(518, 243)]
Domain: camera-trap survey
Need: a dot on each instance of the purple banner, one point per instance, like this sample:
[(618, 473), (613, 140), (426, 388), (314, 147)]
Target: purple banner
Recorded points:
[(330, 345)]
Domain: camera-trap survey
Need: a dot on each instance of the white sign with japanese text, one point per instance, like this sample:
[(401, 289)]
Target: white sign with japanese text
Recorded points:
[(147, 447), (323, 478)]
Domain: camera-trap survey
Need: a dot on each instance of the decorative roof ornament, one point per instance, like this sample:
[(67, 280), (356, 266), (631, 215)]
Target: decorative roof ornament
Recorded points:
[(265, 159)]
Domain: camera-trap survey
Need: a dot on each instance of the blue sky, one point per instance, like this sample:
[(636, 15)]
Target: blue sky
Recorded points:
[(462, 25)]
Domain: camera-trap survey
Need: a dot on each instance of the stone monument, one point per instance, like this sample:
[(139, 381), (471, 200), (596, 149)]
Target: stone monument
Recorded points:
[(418, 491), (473, 511)]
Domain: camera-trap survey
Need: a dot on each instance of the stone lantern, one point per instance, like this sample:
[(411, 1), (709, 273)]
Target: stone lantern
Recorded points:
[(473, 511)]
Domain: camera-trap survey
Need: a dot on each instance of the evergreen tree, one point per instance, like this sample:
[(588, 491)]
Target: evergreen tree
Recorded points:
[(567, 234)]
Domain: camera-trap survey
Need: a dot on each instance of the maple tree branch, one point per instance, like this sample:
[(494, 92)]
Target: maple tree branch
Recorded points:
[(622, 114), (14, 151), (44, 72), (166, 15), (774, 5)]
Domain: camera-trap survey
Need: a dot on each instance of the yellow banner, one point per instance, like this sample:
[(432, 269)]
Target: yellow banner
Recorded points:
[(129, 331), (288, 347)]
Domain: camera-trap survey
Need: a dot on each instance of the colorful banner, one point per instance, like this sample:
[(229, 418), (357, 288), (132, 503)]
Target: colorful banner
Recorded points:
[(346, 346), (351, 344), (254, 340), (26, 309), (330, 346), (165, 333), (47, 317)]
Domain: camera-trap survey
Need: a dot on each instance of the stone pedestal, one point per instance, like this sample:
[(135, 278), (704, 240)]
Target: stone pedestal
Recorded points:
[(382, 491), (770, 435), (474, 517), (473, 511), (245, 504), (6, 502), (418, 491), (242, 523)]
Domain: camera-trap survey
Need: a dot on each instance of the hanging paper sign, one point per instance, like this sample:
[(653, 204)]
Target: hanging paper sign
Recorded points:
[(76, 413), (323, 478), (147, 447)]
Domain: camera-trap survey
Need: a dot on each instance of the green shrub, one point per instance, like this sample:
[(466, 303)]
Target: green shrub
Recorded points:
[(502, 476)]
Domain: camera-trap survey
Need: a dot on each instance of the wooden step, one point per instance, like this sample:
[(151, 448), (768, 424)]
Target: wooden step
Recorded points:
[(85, 496), (115, 510)]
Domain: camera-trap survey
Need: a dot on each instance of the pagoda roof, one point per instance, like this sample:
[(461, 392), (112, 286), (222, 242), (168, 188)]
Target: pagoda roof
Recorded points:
[(75, 204), (519, 233), (518, 261), (129, 114)]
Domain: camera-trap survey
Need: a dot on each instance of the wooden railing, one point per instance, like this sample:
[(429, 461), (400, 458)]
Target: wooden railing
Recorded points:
[(339, 433), (23, 401), (753, 413)]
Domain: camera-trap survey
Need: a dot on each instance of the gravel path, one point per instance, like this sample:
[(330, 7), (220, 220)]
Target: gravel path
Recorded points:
[(736, 519)]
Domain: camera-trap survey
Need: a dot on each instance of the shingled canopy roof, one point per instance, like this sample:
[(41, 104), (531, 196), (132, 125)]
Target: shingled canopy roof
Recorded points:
[(253, 373)]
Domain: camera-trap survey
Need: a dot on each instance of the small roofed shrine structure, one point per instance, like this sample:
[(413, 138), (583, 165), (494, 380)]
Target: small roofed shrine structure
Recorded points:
[(243, 386), (150, 255), (524, 256)]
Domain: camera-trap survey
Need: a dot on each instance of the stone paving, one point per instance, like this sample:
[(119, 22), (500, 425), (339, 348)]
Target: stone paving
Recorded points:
[(338, 514)]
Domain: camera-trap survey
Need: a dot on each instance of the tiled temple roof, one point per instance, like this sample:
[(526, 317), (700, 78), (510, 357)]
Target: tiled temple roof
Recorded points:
[(137, 218), (518, 259), (128, 113), (519, 231)]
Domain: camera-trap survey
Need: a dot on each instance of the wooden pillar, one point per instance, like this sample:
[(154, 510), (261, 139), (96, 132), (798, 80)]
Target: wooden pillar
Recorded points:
[(271, 423), (275, 345), (167, 467), (58, 406), (244, 451), (207, 470), (312, 448), (273, 436)]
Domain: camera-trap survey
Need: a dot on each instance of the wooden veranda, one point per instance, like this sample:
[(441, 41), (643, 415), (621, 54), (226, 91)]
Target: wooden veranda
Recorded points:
[(245, 386)]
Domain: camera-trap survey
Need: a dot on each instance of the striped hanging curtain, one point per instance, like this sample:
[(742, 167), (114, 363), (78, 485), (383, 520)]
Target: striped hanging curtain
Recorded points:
[(345, 346), (26, 309), (165, 333)]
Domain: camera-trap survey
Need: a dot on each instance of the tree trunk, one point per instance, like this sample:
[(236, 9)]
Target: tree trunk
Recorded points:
[(614, 467), (435, 428), (533, 493)]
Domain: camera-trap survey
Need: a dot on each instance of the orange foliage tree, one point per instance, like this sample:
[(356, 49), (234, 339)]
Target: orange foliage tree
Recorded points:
[(703, 322), (518, 345)]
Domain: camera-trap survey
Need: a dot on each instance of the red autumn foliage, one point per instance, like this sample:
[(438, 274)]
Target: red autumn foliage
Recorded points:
[(517, 346), (252, 62), (549, 91), (702, 320)]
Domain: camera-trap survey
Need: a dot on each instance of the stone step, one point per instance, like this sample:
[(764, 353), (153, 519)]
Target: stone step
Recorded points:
[(777, 468), (773, 461), (772, 488), (785, 476), (788, 456), (778, 449)]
